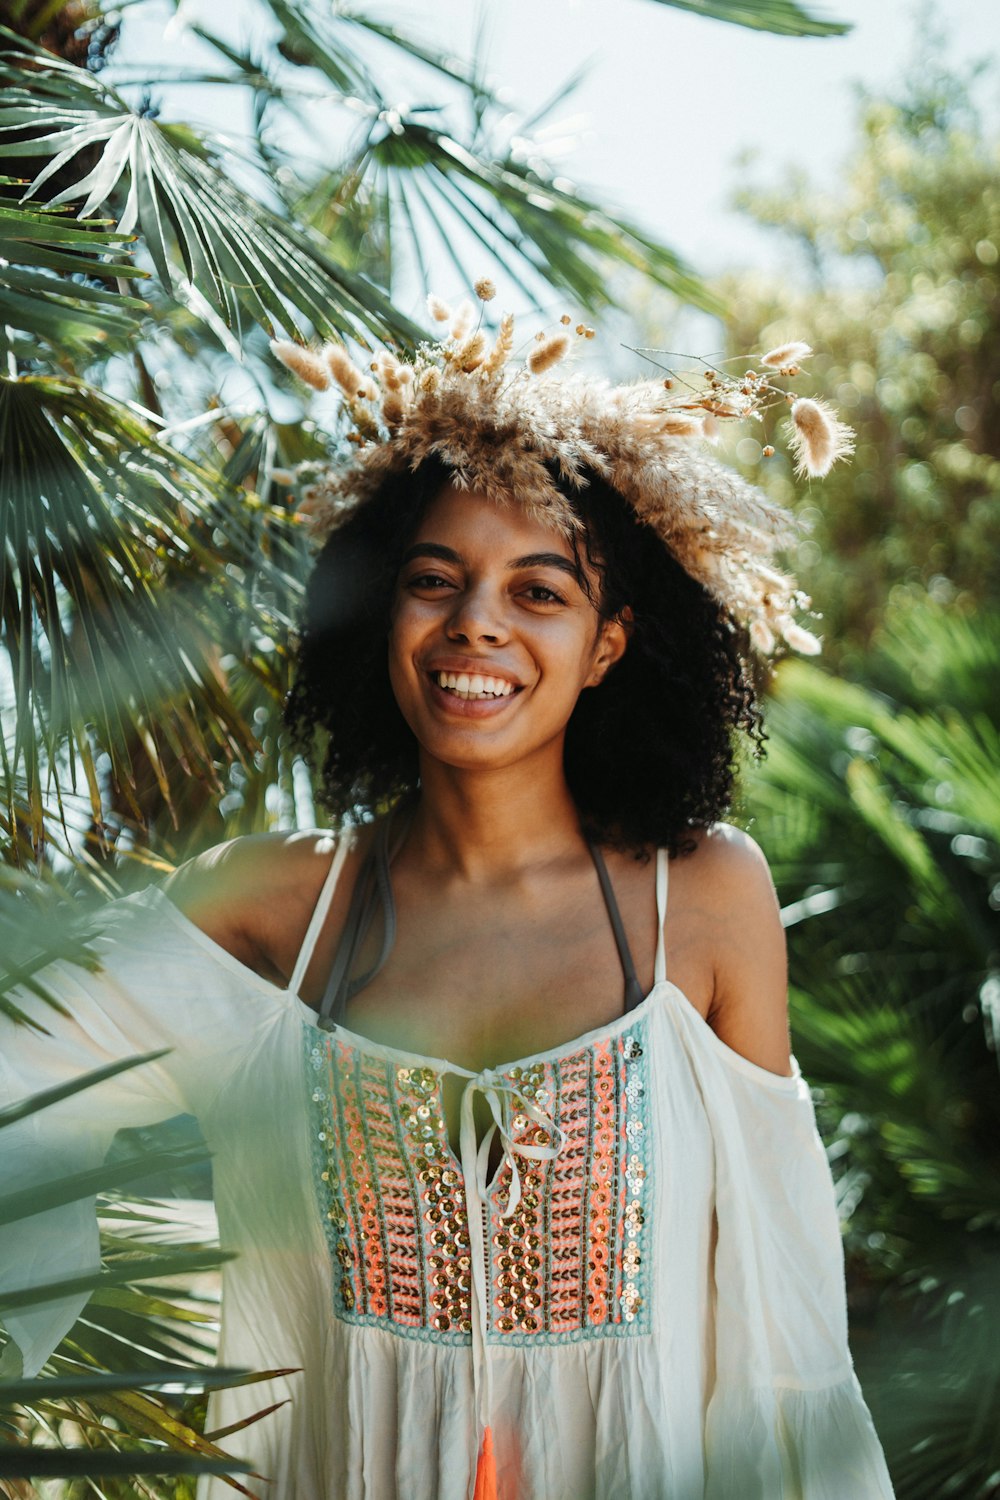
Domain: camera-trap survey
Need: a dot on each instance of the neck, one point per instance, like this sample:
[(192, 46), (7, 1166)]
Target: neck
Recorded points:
[(493, 824)]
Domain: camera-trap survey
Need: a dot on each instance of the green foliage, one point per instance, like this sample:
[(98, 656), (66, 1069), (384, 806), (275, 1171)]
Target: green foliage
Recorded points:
[(879, 803), (781, 16), (123, 1423), (905, 309)]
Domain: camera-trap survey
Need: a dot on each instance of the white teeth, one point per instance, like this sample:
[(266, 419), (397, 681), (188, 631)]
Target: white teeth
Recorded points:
[(473, 686)]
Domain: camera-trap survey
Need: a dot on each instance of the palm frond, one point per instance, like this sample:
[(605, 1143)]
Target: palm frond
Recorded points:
[(513, 207), (100, 517), (783, 17), (53, 288), (198, 227)]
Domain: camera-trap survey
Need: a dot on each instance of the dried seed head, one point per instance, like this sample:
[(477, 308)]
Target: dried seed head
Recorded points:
[(762, 636), (346, 373), (768, 451), (439, 311), (500, 352), (565, 320), (469, 356), (548, 353), (785, 355), (309, 367), (393, 409), (462, 320), (485, 290), (801, 640), (818, 438)]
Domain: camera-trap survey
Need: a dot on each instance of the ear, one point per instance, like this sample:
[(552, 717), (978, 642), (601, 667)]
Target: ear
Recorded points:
[(611, 643)]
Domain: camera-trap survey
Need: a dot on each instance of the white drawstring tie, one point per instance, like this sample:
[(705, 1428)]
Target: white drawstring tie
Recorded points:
[(504, 1097)]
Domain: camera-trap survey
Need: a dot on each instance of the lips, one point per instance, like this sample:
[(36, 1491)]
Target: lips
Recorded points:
[(472, 694)]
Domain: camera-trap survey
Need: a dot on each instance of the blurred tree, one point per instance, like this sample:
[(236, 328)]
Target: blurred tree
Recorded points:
[(879, 806), (904, 302)]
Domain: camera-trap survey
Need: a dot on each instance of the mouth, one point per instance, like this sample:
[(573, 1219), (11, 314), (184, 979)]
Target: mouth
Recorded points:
[(471, 687)]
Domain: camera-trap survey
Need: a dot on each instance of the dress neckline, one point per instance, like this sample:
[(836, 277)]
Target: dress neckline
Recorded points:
[(663, 990), (405, 1058)]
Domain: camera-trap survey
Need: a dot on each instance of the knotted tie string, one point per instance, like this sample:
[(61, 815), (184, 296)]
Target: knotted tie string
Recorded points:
[(503, 1098)]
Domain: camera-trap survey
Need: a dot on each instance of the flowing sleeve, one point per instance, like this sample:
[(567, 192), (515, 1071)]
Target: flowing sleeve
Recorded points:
[(156, 988), (786, 1417)]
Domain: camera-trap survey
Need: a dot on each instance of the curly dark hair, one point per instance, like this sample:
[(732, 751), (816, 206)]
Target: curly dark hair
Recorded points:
[(650, 754)]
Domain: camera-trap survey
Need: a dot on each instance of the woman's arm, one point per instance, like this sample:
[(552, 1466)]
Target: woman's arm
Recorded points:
[(749, 1007)]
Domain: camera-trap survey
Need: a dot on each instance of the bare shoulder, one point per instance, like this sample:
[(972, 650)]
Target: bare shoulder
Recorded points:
[(731, 884), (253, 895), (728, 854)]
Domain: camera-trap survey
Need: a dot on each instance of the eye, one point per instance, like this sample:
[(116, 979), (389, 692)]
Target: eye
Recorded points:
[(428, 581), (540, 593)]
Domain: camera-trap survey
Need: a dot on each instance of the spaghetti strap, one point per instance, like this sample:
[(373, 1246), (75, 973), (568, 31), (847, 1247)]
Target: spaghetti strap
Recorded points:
[(633, 989), (662, 879), (320, 913)]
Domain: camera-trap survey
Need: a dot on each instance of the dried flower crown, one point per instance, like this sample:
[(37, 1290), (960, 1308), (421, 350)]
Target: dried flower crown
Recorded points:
[(498, 426)]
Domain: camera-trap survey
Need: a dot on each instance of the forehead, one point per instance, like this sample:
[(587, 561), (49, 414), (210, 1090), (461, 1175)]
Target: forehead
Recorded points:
[(471, 523)]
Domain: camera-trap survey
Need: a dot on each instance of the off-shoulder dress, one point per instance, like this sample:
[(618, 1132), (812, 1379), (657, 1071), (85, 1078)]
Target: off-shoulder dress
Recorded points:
[(644, 1301)]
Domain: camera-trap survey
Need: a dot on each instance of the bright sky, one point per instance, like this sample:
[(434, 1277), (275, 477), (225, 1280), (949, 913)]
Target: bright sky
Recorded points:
[(670, 100)]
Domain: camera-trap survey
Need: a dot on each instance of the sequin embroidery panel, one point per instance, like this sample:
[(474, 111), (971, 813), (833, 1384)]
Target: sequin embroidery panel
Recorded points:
[(571, 1261)]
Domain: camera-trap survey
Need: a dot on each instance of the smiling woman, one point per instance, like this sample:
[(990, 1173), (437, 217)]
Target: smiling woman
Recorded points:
[(525, 1184), (647, 759)]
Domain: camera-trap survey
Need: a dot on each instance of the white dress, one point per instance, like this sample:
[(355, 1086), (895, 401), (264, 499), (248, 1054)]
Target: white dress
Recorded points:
[(645, 1303)]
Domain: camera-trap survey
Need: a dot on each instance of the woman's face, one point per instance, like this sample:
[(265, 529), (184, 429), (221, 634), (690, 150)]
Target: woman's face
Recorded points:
[(493, 638)]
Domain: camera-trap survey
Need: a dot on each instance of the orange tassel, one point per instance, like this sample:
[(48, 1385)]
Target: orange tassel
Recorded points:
[(486, 1470)]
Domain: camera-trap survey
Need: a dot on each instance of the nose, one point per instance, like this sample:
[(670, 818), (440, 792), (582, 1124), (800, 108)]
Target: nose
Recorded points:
[(477, 616)]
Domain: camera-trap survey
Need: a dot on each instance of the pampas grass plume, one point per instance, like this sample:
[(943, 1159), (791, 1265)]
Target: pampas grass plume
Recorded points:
[(784, 355), (548, 353), (346, 373), (680, 424), (818, 438), (439, 311), (462, 320), (303, 363), (500, 352), (393, 409), (669, 424), (469, 356)]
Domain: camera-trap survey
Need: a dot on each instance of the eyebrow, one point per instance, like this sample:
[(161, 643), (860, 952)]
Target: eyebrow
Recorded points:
[(532, 560)]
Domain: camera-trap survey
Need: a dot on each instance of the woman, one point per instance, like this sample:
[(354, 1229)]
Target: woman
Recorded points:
[(524, 1183)]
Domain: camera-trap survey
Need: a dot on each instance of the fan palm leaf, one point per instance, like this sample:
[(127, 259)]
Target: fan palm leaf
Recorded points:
[(72, 312), (198, 228), (99, 517)]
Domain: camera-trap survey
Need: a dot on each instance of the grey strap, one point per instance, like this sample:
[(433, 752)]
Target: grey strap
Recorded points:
[(373, 891), (633, 989)]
